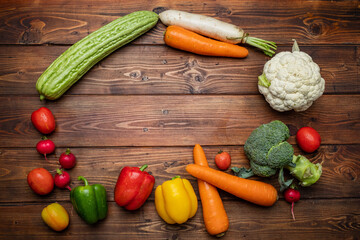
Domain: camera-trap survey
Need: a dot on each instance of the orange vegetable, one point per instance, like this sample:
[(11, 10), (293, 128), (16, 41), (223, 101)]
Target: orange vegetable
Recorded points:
[(180, 38), (55, 216), (253, 191), (214, 214)]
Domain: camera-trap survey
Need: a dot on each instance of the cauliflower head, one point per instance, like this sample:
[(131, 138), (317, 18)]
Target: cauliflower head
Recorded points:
[(291, 81)]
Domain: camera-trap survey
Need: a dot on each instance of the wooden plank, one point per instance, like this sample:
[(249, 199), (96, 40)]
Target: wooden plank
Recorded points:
[(64, 22), (147, 69), (341, 167), (171, 120), (338, 218)]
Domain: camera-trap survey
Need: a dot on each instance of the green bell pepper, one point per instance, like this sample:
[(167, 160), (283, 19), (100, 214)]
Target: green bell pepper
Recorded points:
[(89, 201)]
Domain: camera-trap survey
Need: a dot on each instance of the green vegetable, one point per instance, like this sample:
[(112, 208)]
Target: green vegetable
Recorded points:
[(70, 66), (305, 171), (268, 152), (267, 148), (89, 201)]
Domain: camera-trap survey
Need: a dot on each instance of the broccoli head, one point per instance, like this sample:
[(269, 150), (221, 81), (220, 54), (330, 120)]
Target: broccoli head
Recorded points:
[(267, 148)]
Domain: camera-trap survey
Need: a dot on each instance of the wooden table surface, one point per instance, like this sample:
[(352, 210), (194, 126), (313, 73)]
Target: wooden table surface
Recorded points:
[(149, 103)]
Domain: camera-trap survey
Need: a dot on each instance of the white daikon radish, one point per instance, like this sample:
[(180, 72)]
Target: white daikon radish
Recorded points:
[(214, 28)]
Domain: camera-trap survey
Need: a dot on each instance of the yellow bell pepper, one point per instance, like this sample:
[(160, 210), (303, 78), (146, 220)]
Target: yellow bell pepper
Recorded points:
[(55, 216), (176, 201)]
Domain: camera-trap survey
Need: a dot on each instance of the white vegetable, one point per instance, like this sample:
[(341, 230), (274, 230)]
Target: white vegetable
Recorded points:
[(291, 81), (200, 24), (214, 28)]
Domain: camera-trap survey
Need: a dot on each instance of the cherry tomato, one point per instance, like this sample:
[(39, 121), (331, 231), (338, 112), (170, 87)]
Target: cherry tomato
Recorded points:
[(308, 139), (223, 160), (43, 120), (40, 181)]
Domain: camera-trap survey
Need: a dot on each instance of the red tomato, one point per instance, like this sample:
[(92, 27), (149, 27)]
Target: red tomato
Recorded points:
[(223, 160), (40, 181), (43, 120), (308, 139)]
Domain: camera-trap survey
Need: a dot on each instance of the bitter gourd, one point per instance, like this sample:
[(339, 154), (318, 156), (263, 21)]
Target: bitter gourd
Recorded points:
[(71, 65)]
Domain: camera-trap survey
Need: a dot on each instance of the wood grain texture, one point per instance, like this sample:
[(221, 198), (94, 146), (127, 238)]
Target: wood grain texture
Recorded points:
[(342, 222), (341, 168), (64, 22), (171, 120), (139, 69), (149, 103)]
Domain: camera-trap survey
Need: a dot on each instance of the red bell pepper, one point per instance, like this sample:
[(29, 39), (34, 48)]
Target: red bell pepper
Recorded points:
[(133, 187)]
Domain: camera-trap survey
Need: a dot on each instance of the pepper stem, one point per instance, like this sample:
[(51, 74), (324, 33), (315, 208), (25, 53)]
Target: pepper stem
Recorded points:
[(81, 178), (58, 171), (143, 167), (175, 177)]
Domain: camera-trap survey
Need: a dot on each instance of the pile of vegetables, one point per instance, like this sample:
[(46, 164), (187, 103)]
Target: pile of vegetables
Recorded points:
[(89, 201), (268, 151), (290, 80)]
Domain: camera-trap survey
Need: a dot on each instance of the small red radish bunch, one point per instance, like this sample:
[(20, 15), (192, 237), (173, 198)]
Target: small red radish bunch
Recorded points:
[(62, 179), (292, 196), (67, 159), (45, 146)]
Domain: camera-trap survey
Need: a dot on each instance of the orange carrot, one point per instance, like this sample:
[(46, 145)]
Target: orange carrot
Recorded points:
[(253, 191), (180, 38), (215, 217)]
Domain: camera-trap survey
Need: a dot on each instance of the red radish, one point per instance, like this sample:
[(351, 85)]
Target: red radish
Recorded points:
[(292, 196), (62, 179), (45, 146), (67, 159)]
